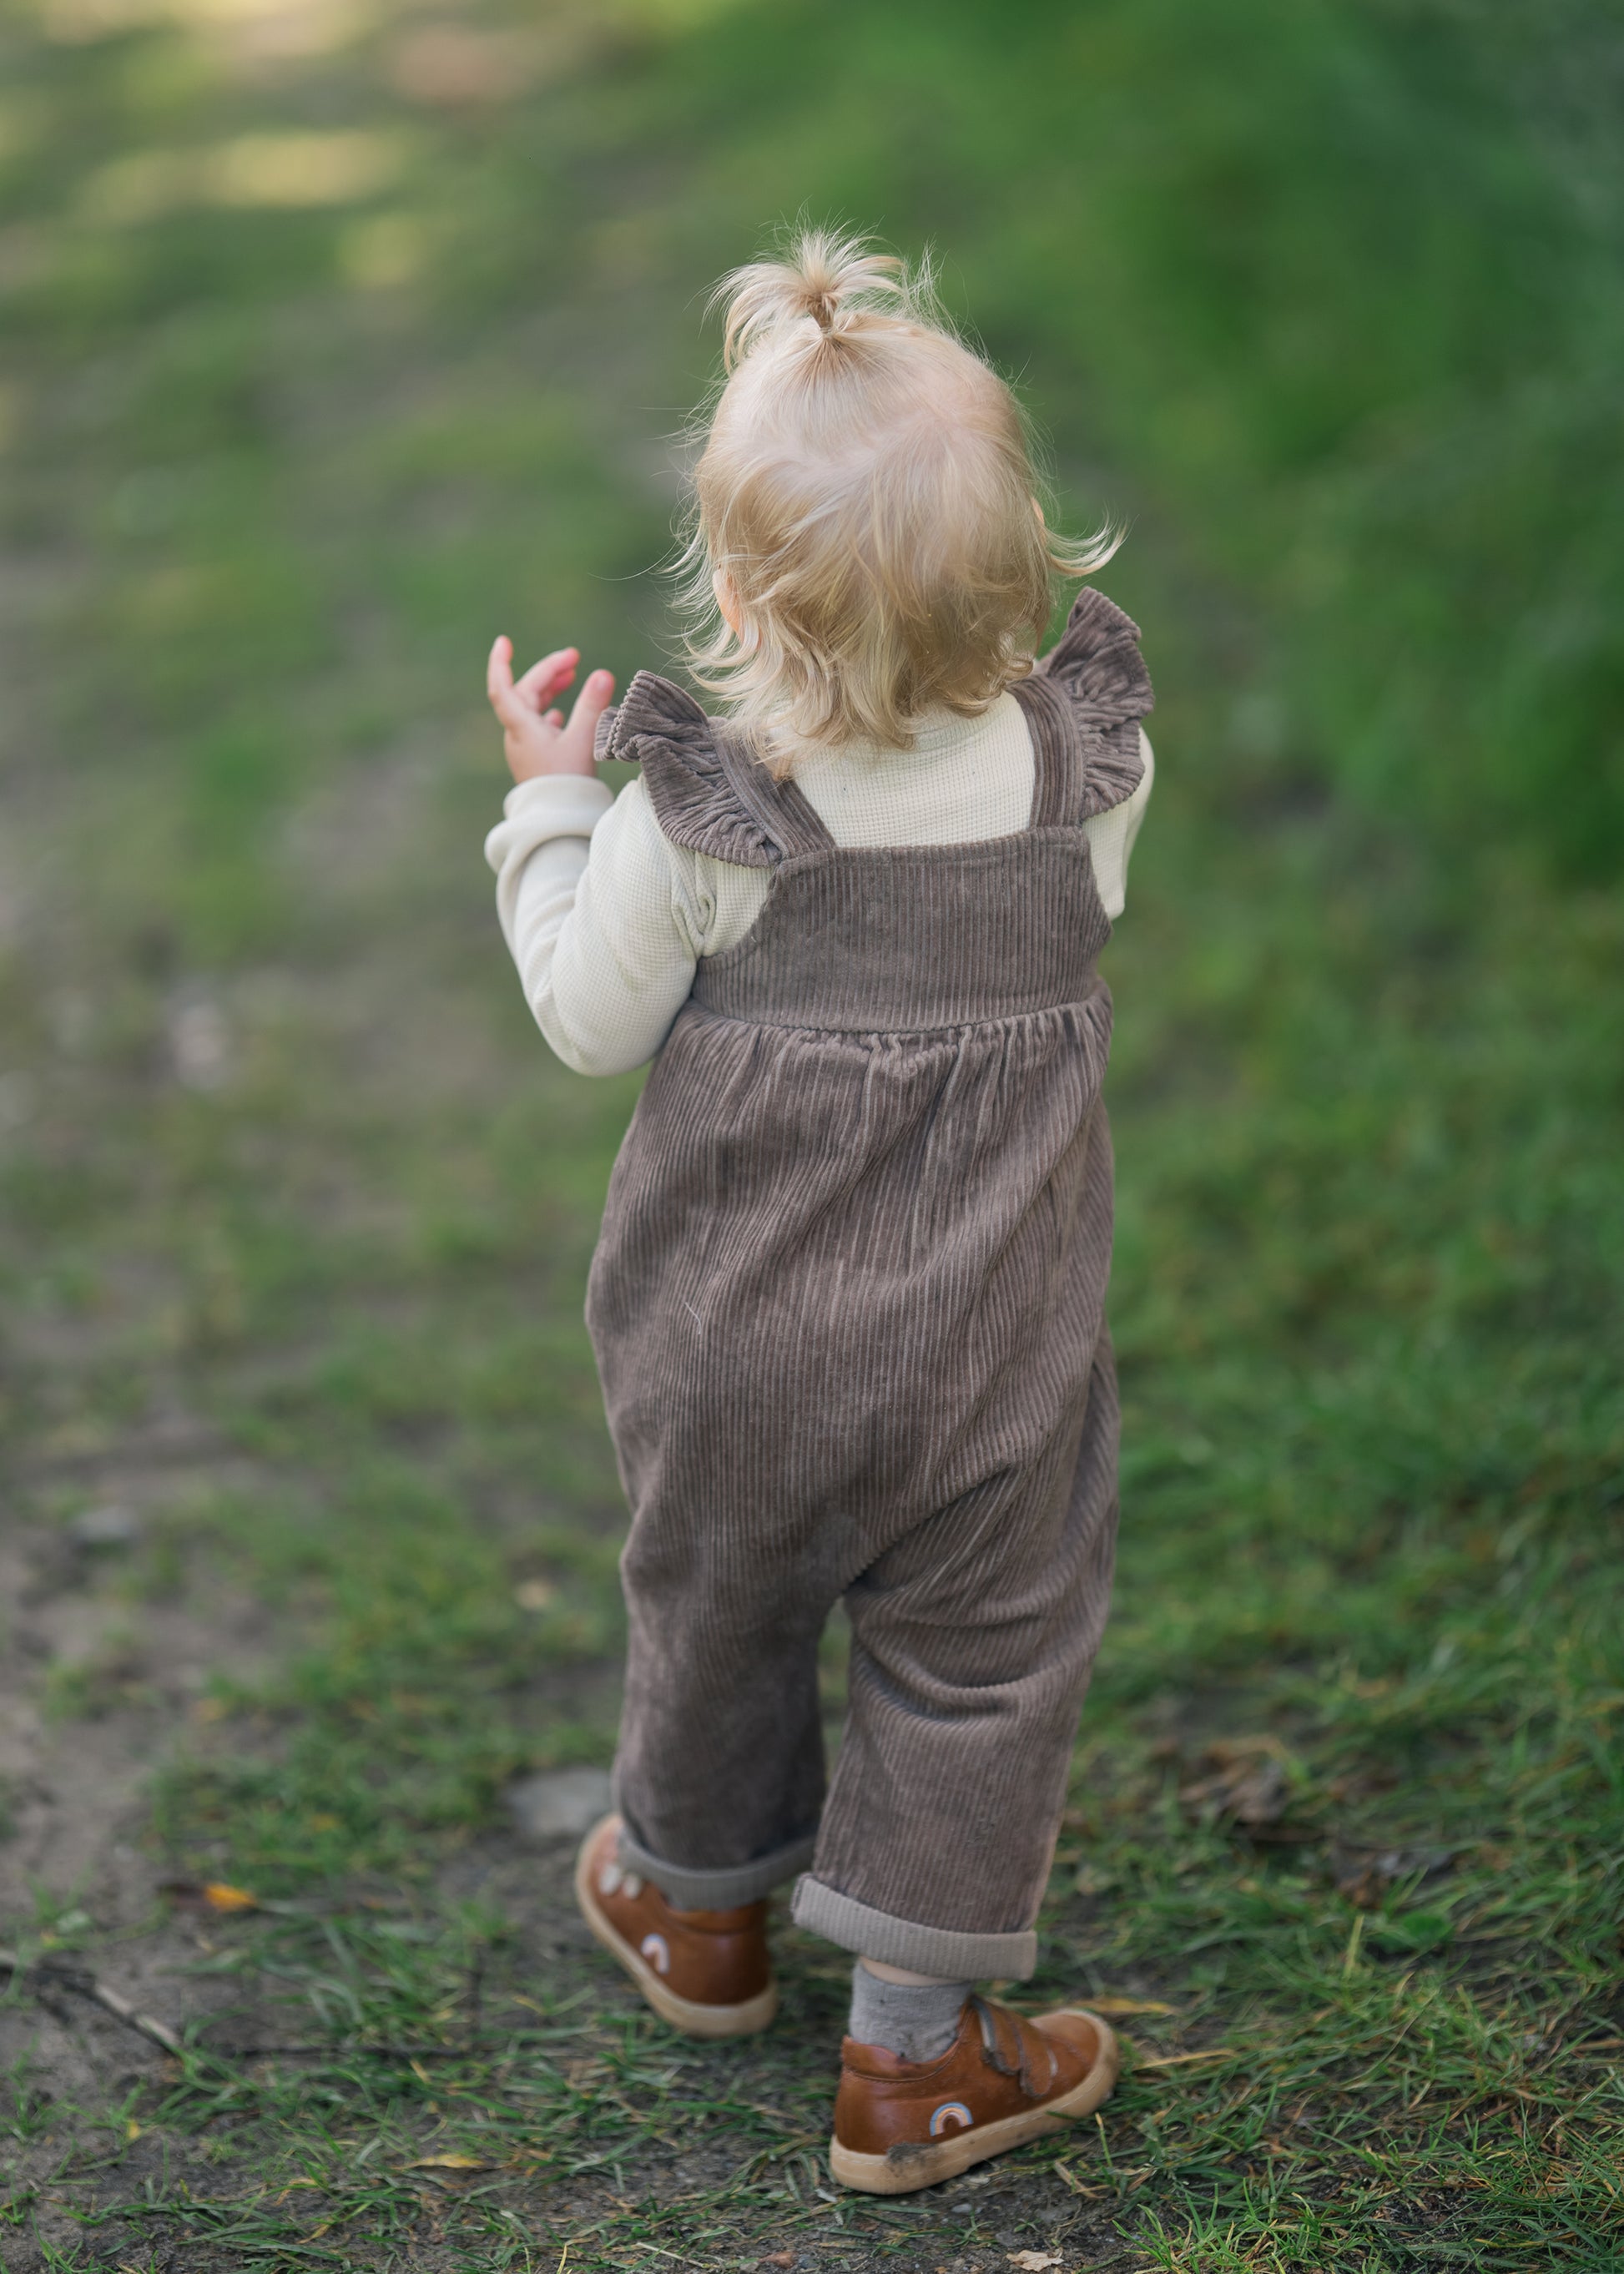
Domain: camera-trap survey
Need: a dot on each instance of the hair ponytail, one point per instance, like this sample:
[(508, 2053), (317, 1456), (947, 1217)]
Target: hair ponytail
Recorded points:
[(825, 281)]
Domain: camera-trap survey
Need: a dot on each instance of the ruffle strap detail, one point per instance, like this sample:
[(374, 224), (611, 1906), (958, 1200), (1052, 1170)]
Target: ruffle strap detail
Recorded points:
[(660, 727), (1097, 664)]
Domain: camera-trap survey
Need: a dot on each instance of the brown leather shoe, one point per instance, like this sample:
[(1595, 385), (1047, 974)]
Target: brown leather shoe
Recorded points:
[(706, 1972), (901, 2125)]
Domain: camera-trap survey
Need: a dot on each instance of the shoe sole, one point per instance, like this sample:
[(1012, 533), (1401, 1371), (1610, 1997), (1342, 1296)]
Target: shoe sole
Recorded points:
[(685, 2014), (912, 2165)]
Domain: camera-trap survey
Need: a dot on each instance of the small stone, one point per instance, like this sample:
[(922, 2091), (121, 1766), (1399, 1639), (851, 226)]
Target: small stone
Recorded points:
[(199, 1039), (559, 1803), (111, 1526)]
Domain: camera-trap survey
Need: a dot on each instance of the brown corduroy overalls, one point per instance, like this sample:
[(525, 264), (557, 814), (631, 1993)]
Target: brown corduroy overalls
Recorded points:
[(848, 1307)]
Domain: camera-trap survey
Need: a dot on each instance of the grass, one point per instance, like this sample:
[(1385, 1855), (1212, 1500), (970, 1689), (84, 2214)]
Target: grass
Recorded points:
[(1325, 298)]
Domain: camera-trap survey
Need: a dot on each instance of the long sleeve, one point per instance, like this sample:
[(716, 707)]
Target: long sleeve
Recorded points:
[(600, 918), (1112, 836)]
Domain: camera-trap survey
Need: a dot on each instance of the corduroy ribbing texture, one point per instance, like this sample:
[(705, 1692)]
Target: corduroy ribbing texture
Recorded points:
[(848, 1307)]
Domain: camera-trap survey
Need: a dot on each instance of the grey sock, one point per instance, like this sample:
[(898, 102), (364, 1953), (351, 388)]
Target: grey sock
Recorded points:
[(916, 2023)]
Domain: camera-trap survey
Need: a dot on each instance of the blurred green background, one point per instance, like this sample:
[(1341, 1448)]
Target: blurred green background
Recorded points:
[(338, 337)]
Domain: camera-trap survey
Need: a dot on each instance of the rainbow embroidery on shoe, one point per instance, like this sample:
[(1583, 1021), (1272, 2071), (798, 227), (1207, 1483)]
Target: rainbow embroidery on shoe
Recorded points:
[(653, 1948), (953, 2113)]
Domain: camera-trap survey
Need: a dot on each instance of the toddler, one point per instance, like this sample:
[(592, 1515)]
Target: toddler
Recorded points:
[(848, 1302)]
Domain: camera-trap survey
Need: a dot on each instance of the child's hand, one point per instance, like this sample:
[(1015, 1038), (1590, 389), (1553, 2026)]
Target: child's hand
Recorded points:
[(536, 738)]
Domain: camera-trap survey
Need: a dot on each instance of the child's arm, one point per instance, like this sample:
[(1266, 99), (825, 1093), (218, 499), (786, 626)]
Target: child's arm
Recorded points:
[(1112, 836), (602, 920)]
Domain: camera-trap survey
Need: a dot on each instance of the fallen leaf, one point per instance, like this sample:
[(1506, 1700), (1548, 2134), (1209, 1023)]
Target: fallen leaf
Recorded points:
[(779, 2258), (221, 1897), (1362, 1784), (537, 1595), (1364, 1875), (1033, 2262), (449, 2163), (133, 2130), (208, 1896), (1249, 1786), (1131, 2006)]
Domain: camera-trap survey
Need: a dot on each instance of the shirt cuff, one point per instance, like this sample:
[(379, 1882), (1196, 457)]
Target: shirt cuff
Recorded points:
[(548, 806)]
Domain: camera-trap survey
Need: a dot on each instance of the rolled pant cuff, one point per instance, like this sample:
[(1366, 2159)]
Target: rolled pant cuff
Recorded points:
[(950, 1952), (718, 1890)]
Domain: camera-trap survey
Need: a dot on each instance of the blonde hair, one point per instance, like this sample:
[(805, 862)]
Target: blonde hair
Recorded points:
[(866, 492)]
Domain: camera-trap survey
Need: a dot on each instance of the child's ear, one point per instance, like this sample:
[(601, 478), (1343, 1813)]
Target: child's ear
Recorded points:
[(727, 600)]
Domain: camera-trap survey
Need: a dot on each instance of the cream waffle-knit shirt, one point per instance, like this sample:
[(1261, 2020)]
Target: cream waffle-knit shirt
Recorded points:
[(606, 919)]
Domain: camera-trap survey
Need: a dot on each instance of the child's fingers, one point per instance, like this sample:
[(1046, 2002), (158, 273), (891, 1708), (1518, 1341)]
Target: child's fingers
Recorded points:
[(590, 704), (548, 677), (498, 683)]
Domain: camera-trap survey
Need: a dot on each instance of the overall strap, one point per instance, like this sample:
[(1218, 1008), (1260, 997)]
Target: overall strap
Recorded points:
[(1059, 761), (781, 811)]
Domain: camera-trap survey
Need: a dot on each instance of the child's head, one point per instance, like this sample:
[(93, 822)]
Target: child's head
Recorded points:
[(868, 546)]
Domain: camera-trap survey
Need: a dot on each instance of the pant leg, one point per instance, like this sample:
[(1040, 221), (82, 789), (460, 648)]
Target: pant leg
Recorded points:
[(719, 1772), (972, 1640)]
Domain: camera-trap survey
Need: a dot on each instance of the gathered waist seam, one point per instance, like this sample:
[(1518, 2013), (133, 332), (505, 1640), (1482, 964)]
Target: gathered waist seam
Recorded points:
[(889, 1034)]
